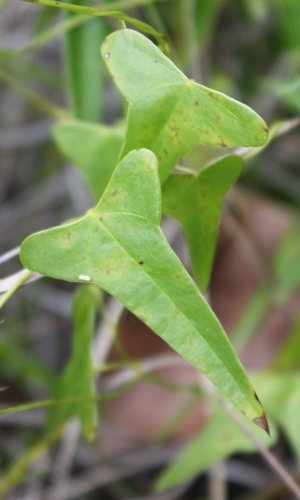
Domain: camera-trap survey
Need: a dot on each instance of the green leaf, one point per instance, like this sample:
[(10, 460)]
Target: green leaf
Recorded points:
[(288, 90), (289, 16), (206, 14), (120, 246), (286, 263), (94, 149), (168, 113), (288, 356), (218, 440), (281, 394), (252, 317), (197, 202), (22, 364), (84, 69), (285, 269), (77, 380)]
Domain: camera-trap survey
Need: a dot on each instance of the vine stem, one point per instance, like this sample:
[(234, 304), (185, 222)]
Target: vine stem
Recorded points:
[(69, 24), (40, 102), (96, 12), (24, 277)]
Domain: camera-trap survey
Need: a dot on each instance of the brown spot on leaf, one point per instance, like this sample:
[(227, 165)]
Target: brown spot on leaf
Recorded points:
[(262, 423), (222, 143), (141, 263), (114, 193), (175, 129), (110, 269), (256, 397), (196, 103)]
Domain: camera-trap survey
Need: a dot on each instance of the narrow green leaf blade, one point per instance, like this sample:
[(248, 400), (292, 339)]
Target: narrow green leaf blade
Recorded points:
[(23, 364), (289, 16), (286, 262), (120, 246), (281, 394), (206, 14), (168, 113), (220, 439), (94, 149), (288, 90), (288, 356), (77, 381), (84, 69), (197, 202)]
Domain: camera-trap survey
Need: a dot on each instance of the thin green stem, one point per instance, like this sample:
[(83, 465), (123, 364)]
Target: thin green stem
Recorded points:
[(69, 24), (96, 12), (53, 402), (4, 298), (18, 469), (185, 170), (40, 102), (118, 365), (122, 25)]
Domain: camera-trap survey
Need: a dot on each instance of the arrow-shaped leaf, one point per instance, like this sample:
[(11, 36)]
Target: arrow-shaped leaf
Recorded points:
[(94, 149), (197, 201), (120, 246), (77, 380), (168, 113)]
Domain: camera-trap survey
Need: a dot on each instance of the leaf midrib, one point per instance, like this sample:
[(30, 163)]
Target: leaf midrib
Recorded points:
[(165, 293)]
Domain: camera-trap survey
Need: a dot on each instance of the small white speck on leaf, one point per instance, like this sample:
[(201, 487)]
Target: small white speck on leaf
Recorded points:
[(84, 278), (107, 55)]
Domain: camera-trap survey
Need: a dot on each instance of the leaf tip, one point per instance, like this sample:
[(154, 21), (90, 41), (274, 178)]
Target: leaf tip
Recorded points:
[(262, 422)]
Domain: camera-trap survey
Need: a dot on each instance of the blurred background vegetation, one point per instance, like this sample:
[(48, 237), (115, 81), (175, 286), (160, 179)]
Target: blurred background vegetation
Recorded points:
[(50, 68)]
